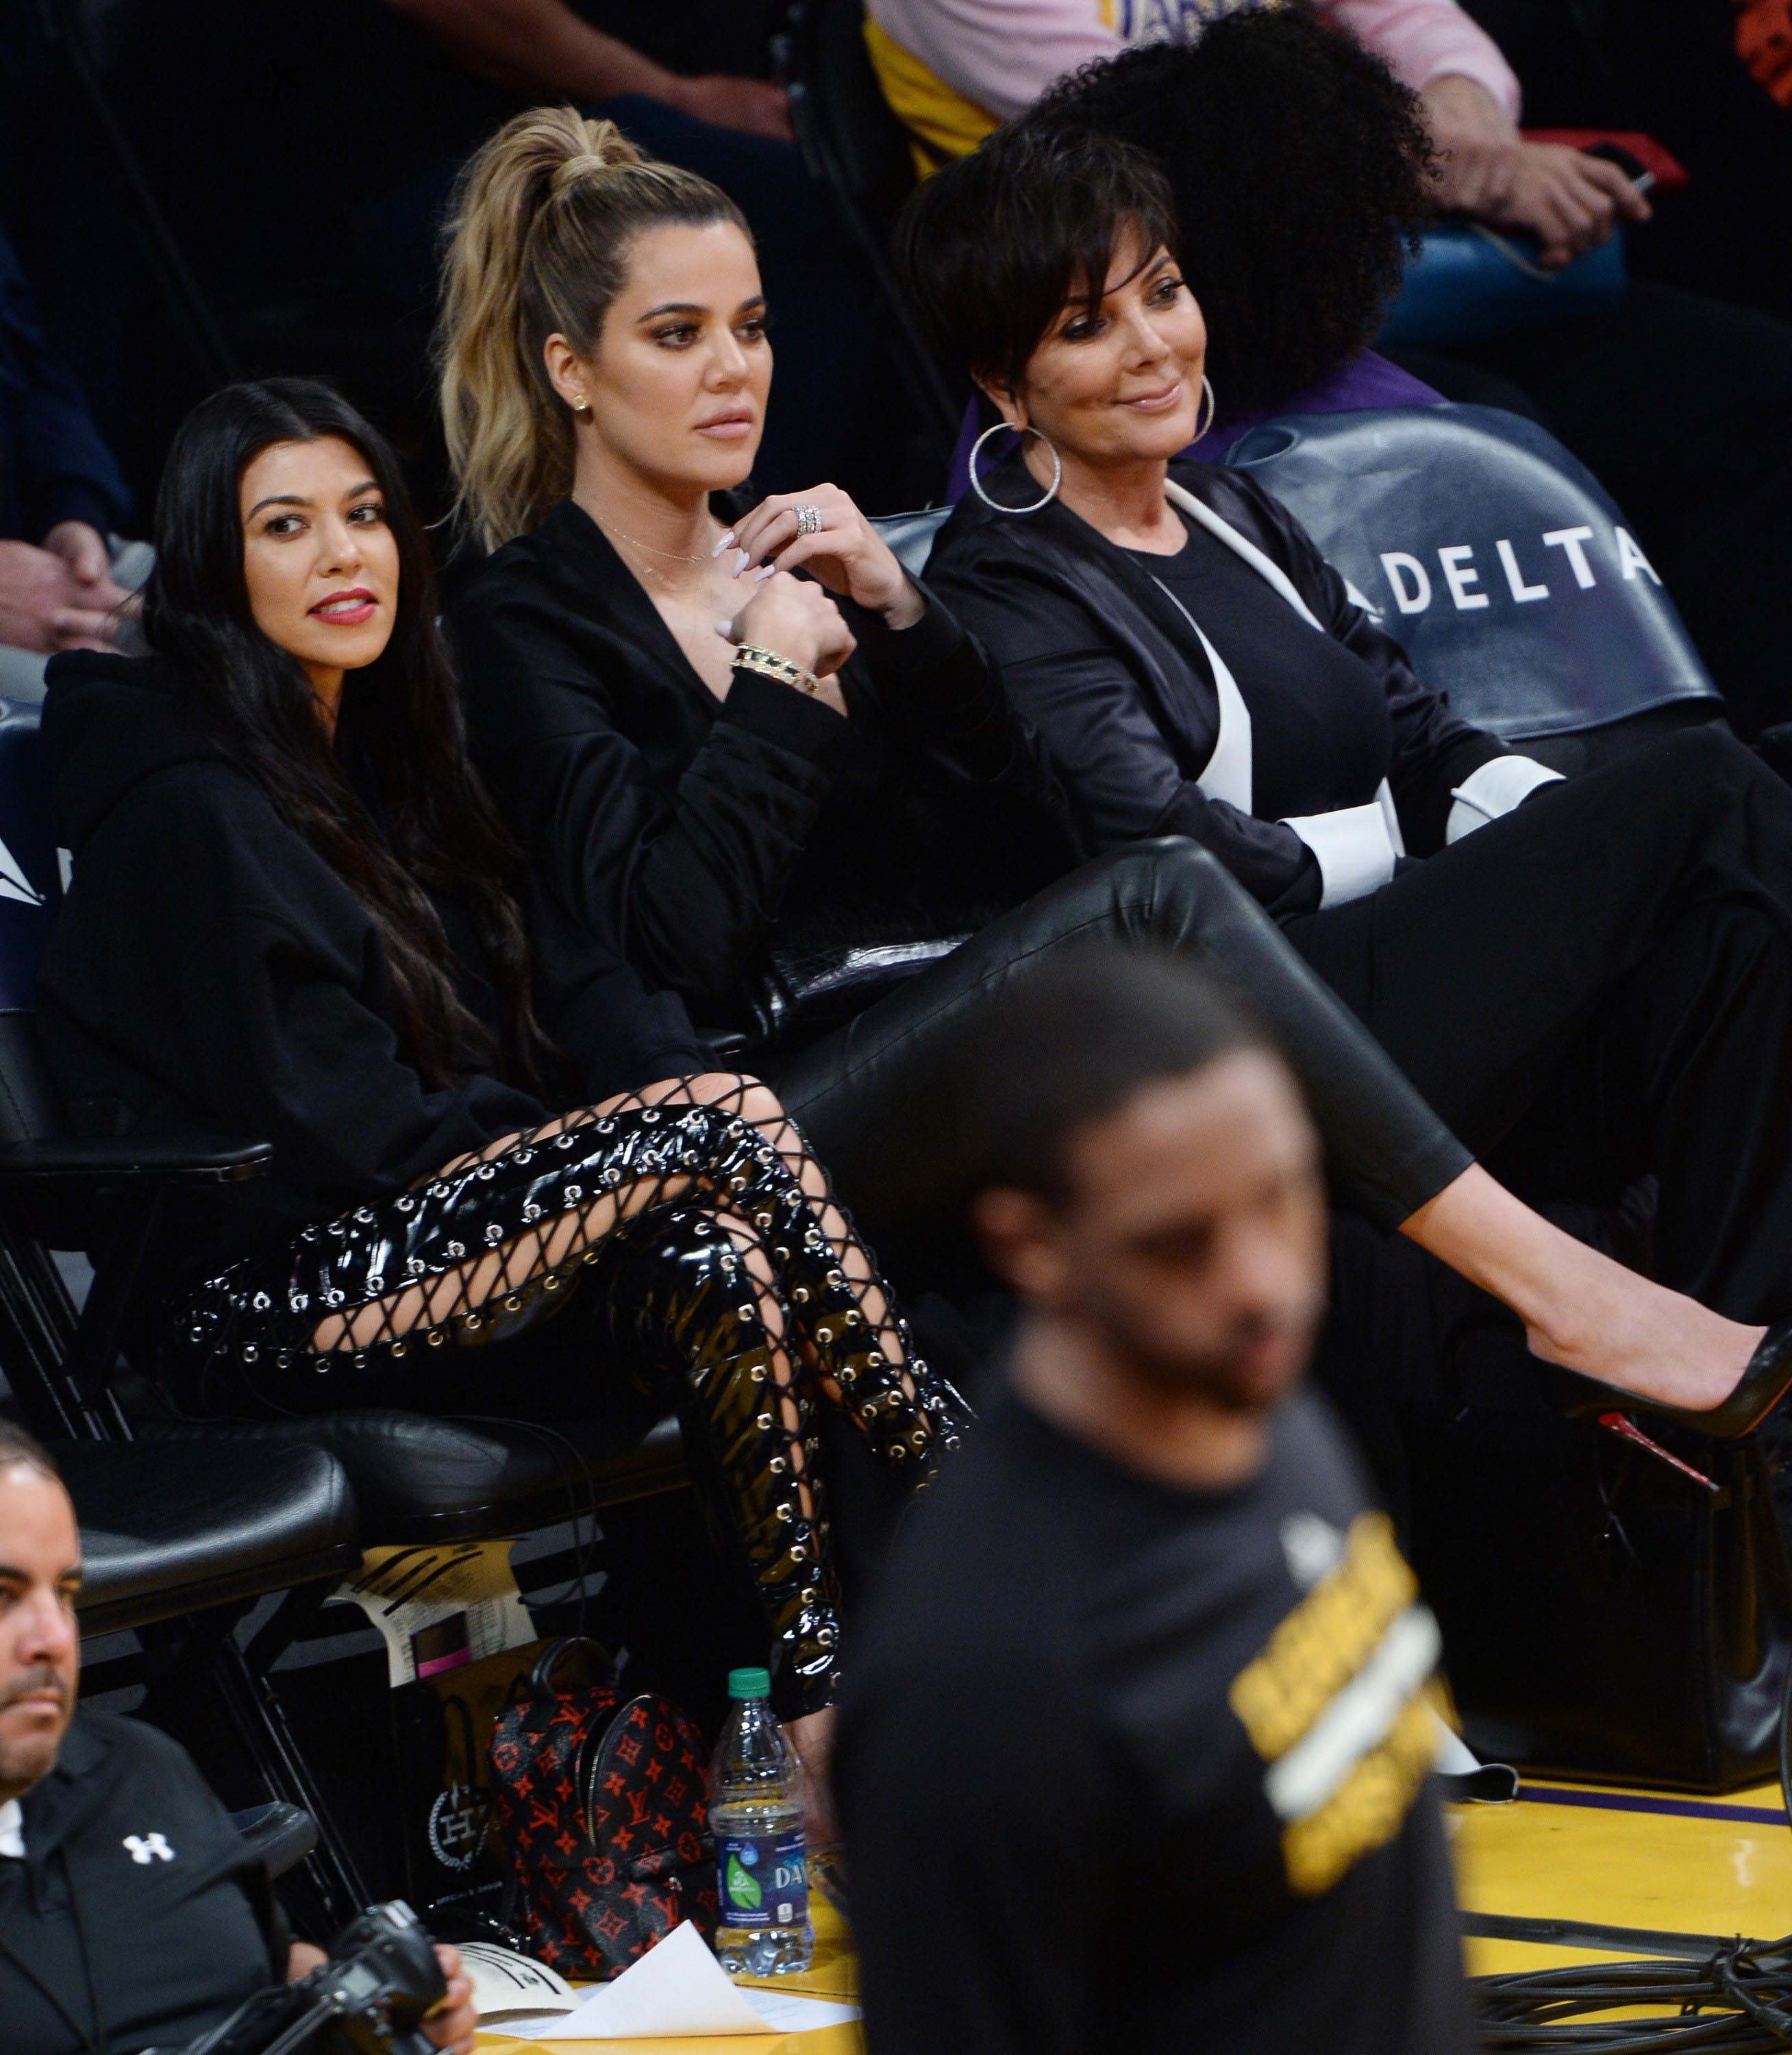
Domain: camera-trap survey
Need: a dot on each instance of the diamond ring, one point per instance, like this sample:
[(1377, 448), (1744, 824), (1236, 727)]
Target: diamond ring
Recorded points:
[(808, 520)]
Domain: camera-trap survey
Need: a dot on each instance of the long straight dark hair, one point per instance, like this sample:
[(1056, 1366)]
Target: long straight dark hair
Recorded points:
[(393, 805)]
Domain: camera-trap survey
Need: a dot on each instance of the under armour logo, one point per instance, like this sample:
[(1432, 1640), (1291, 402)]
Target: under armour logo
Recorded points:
[(1313, 1547), (148, 1847)]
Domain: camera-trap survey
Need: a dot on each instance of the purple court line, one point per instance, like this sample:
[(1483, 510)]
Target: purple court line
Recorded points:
[(1638, 1802)]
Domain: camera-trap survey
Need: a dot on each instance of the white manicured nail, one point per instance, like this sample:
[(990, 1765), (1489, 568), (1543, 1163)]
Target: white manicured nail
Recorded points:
[(724, 543), (746, 559), (764, 572)]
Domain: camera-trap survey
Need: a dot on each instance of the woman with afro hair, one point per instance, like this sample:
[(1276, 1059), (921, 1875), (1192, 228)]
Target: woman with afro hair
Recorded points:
[(1301, 170)]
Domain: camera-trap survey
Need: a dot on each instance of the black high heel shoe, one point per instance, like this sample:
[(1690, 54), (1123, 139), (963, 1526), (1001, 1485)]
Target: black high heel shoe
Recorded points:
[(1762, 1384)]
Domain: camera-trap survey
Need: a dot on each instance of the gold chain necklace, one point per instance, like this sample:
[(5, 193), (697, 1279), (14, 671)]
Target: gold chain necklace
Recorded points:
[(653, 548), (677, 556)]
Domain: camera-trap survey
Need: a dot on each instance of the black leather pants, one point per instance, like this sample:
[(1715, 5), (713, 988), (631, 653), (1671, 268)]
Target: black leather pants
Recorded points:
[(698, 1251), (861, 1094), (1598, 987)]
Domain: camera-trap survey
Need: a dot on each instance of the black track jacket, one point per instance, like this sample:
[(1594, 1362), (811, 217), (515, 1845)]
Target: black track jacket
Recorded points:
[(130, 1859)]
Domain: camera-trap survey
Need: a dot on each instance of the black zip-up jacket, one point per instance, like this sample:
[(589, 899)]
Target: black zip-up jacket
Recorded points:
[(1107, 670), (209, 972), (134, 1877), (704, 837)]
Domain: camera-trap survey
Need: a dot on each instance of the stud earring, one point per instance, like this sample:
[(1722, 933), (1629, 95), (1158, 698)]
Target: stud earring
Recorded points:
[(580, 404)]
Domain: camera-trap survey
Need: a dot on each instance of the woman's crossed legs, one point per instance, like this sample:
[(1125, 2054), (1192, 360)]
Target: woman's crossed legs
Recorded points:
[(730, 1275)]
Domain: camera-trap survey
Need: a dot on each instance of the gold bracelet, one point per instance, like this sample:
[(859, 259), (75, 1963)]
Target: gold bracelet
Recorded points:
[(769, 665), (767, 660)]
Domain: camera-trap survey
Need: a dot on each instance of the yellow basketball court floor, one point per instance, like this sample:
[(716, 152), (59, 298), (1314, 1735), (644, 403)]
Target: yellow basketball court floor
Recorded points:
[(1566, 1873)]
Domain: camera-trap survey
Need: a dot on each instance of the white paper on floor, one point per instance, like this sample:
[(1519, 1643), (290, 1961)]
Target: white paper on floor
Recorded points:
[(679, 1989), (509, 1986)]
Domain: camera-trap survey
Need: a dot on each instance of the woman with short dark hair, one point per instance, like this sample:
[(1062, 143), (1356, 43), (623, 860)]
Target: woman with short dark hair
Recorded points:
[(1589, 982), (291, 917), (1308, 167), (840, 849)]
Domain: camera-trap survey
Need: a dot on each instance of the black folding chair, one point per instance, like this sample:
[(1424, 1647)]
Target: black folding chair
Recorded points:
[(855, 146)]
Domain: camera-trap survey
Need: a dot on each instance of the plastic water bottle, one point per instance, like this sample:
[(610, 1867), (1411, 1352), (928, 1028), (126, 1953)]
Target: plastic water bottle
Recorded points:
[(762, 1884)]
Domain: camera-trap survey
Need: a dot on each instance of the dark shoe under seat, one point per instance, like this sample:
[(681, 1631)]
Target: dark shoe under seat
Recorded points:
[(165, 1532), (419, 1477)]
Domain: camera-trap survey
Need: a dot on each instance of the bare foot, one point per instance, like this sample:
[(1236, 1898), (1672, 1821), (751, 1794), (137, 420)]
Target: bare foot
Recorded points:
[(811, 1737), (1628, 1332), (1579, 1307)]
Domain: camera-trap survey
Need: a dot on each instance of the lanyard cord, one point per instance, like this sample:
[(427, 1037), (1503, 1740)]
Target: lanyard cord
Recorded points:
[(93, 2039)]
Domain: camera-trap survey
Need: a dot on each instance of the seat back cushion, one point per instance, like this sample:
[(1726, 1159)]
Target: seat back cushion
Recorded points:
[(31, 882), (30, 888), (1492, 555), (910, 536)]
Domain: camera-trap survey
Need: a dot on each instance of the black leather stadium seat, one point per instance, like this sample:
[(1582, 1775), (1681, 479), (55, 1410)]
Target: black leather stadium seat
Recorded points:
[(910, 536), (418, 1478), (160, 1538), (1499, 563)]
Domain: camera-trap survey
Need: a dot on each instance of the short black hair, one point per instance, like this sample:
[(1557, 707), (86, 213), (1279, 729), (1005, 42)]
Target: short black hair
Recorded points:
[(1075, 1041), (1299, 171), (18, 1446), (992, 247)]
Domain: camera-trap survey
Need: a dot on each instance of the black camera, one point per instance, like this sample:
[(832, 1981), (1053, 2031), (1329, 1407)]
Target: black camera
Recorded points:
[(370, 1998)]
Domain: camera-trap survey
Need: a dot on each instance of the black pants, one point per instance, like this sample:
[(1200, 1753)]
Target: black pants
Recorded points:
[(691, 1243), (877, 1098), (1600, 985), (1597, 985)]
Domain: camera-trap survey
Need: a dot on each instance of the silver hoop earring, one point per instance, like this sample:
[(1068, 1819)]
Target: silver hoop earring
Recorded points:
[(1051, 493), (1201, 427)]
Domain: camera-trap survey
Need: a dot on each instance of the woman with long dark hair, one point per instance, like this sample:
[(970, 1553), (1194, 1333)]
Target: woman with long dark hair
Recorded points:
[(709, 783), (291, 917)]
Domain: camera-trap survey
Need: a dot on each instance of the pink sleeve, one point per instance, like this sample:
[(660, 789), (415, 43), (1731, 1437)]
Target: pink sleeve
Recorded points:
[(1421, 40), (1001, 53)]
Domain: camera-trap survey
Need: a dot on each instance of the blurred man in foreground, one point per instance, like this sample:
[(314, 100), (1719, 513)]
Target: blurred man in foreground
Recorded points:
[(1136, 1742), (132, 1914)]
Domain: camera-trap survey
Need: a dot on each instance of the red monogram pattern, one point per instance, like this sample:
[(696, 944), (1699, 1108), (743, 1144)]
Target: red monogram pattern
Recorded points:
[(603, 1805)]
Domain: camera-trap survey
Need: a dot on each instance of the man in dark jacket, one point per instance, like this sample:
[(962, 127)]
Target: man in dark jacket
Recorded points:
[(1135, 1747), (61, 497), (131, 1915)]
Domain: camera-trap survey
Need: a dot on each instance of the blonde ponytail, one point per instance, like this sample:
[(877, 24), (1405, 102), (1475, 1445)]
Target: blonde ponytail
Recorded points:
[(537, 240)]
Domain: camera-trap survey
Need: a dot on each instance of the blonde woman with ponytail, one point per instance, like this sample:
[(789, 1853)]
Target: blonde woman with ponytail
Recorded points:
[(786, 797), (735, 738)]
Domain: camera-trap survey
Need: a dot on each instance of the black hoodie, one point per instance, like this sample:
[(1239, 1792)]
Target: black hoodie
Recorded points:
[(209, 971)]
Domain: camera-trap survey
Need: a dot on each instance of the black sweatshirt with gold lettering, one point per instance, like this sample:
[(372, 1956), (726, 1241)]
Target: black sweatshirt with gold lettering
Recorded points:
[(1126, 1766)]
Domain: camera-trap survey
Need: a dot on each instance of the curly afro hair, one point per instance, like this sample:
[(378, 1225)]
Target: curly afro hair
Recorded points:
[(1300, 172)]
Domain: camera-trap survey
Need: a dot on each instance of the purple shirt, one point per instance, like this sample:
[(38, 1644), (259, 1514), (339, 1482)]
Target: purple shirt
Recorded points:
[(1364, 380)]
